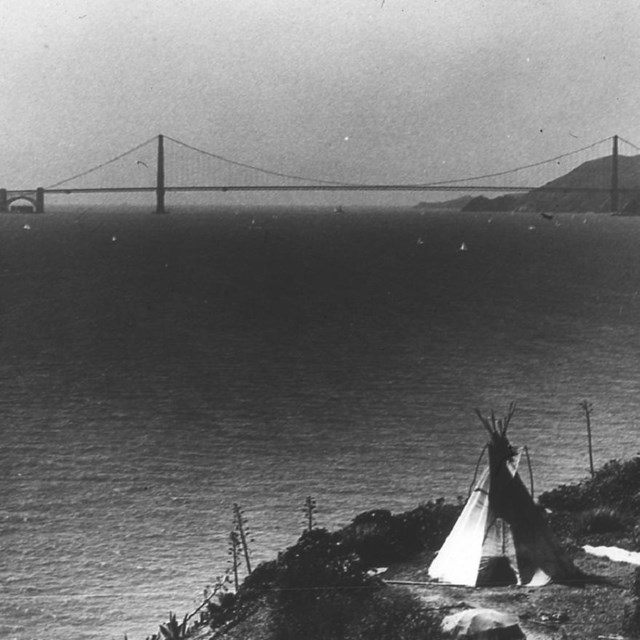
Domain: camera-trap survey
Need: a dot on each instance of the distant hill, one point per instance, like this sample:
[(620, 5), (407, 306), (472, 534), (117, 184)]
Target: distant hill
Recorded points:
[(501, 203), (457, 205), (594, 173)]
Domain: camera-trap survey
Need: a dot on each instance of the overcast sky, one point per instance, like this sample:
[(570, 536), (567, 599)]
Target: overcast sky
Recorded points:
[(353, 90)]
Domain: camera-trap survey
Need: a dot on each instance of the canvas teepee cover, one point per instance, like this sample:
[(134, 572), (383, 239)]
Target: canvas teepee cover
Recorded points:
[(501, 536)]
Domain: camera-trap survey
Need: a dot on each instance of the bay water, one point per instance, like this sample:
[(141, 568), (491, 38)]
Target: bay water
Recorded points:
[(155, 370)]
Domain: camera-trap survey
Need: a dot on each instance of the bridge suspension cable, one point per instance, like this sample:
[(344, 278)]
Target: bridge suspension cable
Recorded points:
[(635, 146), (255, 168), (516, 169), (102, 164)]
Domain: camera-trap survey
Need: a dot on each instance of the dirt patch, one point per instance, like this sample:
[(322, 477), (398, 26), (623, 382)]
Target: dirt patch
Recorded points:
[(594, 610)]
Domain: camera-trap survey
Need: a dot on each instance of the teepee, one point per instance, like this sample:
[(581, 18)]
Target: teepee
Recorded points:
[(501, 536)]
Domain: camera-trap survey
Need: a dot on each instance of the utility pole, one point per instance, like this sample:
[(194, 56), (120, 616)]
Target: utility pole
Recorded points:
[(614, 176), (160, 177)]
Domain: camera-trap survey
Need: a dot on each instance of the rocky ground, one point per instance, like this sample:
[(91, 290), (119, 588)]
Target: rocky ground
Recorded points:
[(595, 610)]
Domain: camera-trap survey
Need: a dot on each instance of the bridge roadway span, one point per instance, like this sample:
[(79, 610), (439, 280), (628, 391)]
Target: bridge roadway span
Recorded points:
[(37, 196)]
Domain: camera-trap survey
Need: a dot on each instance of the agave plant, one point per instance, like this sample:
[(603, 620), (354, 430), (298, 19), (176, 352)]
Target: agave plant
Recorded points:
[(172, 630)]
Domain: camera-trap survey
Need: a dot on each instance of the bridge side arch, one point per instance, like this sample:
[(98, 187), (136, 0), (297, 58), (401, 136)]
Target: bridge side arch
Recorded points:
[(35, 198), (29, 199)]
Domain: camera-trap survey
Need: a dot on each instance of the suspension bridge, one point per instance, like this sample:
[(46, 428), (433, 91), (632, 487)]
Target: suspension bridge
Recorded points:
[(164, 165)]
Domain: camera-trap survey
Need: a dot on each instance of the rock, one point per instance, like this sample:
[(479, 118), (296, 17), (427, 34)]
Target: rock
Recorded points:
[(483, 624)]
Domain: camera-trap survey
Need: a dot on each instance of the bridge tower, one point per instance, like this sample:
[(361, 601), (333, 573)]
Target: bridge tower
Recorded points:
[(4, 207), (160, 190), (614, 175), (39, 200)]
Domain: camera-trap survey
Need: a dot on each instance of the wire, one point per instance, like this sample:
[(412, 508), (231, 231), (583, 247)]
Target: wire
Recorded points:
[(526, 166), (629, 143), (254, 168), (99, 166)]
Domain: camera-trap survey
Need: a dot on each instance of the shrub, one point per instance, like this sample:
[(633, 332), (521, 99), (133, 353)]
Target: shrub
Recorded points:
[(434, 521), (632, 613), (372, 536), (380, 538), (396, 613), (317, 583), (260, 581), (601, 520), (220, 612), (384, 614), (319, 559), (616, 484)]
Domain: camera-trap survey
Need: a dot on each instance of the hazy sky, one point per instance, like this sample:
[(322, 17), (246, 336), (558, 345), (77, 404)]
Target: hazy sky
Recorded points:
[(393, 90)]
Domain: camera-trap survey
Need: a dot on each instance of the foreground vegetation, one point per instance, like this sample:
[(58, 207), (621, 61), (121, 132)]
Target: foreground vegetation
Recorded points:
[(603, 510), (322, 588)]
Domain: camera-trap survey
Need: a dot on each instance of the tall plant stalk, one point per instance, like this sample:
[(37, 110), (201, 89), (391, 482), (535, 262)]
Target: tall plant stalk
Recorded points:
[(234, 544), (587, 407), (241, 529), (309, 511)]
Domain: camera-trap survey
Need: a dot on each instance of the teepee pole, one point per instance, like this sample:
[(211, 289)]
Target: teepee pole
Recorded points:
[(507, 418), (526, 450), (485, 422), (472, 486)]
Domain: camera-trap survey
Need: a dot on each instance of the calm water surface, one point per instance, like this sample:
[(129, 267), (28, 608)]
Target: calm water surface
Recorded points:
[(157, 369)]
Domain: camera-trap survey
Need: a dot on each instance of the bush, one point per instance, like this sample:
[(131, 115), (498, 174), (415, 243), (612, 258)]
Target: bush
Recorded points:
[(616, 484), (397, 613), (632, 614), (601, 520), (380, 538), (220, 612), (317, 561), (259, 581), (373, 537), (318, 583), (385, 614)]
